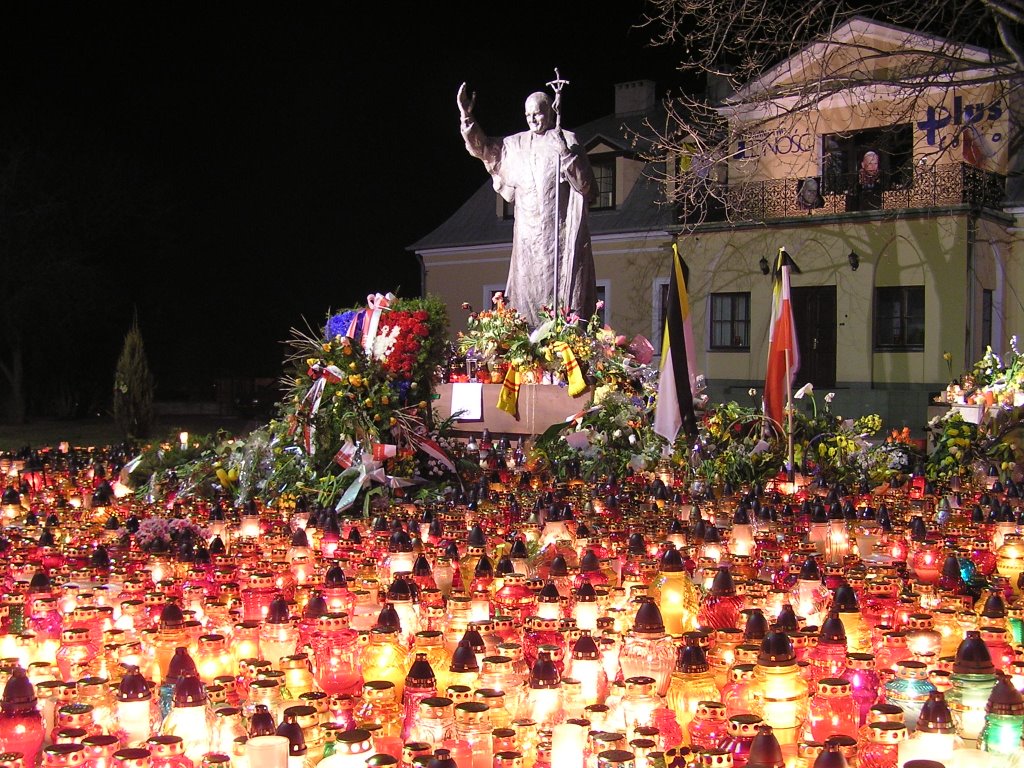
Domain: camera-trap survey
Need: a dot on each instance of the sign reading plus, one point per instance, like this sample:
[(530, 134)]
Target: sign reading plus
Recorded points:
[(941, 117)]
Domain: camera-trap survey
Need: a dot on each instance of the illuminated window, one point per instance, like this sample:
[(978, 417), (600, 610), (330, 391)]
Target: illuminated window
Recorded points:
[(863, 164)]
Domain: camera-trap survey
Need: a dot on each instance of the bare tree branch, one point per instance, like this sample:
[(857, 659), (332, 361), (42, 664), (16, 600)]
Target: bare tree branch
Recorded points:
[(787, 59)]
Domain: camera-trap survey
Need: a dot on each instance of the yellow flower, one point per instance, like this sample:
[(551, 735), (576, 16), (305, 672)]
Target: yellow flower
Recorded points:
[(355, 380), (947, 356)]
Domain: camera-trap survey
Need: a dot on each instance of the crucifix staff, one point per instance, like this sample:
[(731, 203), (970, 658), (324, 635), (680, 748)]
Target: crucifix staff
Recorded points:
[(557, 85)]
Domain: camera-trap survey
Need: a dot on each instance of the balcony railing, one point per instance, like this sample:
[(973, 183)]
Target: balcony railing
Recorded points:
[(928, 187)]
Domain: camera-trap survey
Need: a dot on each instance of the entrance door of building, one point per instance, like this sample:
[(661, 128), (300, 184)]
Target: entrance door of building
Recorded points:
[(814, 312)]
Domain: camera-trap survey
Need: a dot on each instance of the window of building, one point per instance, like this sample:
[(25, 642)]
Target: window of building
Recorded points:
[(604, 173), (987, 304), (487, 301), (863, 164), (730, 321), (899, 318)]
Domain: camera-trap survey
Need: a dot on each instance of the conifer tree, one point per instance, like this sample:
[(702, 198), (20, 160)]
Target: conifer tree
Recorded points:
[(133, 387)]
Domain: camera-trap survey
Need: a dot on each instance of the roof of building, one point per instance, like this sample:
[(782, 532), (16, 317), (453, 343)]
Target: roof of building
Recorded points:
[(477, 223)]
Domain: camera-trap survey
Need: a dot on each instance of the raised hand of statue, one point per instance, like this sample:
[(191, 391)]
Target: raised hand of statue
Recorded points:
[(465, 101)]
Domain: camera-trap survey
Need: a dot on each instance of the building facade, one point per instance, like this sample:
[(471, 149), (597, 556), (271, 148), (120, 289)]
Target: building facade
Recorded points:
[(895, 209)]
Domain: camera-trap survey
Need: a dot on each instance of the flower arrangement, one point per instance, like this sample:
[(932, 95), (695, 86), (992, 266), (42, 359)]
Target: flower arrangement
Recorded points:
[(734, 448), (195, 469), (888, 461), (610, 439), (354, 412), (356, 409), (412, 348), (408, 338), (992, 380), (962, 447), (501, 333), (171, 535), (992, 438)]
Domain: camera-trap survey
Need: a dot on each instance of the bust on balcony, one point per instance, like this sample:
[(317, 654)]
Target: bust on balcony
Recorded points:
[(866, 194), (808, 194)]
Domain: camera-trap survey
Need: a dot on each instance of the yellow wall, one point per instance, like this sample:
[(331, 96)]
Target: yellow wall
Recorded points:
[(929, 252), (459, 277), (631, 265)]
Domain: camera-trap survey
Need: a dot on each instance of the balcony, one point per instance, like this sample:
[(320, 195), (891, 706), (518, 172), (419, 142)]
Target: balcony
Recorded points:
[(941, 186)]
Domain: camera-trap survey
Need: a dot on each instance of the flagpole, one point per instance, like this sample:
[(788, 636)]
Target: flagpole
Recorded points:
[(791, 474)]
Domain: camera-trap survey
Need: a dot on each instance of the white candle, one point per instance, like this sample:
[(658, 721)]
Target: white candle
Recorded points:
[(267, 751)]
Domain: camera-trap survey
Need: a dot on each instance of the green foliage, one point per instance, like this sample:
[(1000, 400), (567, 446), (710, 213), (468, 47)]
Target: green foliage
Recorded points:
[(198, 469), (737, 445), (133, 387), (961, 447)]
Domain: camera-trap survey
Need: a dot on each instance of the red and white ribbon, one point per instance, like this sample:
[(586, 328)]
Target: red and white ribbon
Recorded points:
[(346, 454), (376, 304), (321, 374)]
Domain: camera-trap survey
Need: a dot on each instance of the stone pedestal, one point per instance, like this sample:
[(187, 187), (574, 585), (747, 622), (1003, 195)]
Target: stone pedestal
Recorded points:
[(540, 406)]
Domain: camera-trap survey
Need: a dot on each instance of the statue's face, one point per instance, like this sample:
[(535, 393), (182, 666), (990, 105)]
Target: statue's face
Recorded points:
[(538, 114)]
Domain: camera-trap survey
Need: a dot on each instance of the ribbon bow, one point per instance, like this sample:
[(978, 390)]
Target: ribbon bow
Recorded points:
[(368, 470), (365, 471), (376, 304)]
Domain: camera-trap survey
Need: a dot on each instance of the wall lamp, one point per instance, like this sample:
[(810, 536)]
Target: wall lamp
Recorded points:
[(763, 264), (854, 260)]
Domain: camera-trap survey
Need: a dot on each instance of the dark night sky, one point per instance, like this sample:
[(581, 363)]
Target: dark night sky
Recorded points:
[(295, 151)]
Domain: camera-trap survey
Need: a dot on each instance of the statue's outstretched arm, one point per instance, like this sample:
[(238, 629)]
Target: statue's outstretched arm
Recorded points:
[(466, 101)]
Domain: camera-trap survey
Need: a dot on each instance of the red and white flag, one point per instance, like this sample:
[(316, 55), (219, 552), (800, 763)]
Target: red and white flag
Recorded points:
[(783, 351)]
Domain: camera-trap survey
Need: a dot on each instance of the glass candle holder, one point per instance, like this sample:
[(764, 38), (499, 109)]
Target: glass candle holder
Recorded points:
[(909, 690), (708, 726), (1004, 720), (881, 749), (832, 710)]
